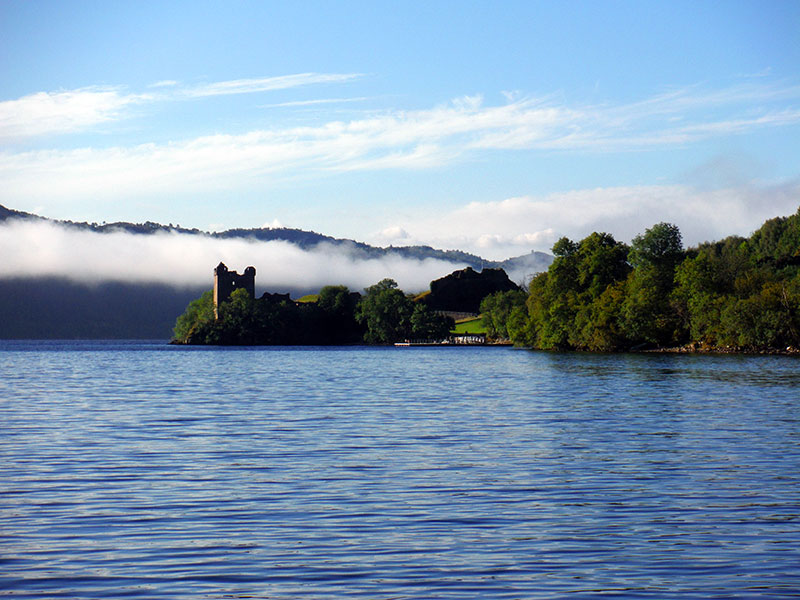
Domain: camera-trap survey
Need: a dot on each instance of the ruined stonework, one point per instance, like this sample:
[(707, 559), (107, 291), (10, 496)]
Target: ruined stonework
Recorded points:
[(225, 282), (462, 291)]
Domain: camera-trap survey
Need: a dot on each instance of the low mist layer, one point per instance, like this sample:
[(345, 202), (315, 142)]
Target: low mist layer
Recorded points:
[(44, 249)]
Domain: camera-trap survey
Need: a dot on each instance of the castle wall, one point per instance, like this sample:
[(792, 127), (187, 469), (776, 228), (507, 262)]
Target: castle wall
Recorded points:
[(226, 282)]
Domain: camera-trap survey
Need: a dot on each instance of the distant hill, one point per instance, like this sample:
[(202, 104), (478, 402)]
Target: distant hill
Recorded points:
[(60, 308), (521, 268), (8, 213), (518, 267)]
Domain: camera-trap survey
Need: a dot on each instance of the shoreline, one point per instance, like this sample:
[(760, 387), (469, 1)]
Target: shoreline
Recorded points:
[(699, 348)]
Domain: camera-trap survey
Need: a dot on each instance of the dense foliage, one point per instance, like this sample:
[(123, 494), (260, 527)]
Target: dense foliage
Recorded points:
[(271, 320), (600, 294), (503, 313), (390, 316), (384, 315)]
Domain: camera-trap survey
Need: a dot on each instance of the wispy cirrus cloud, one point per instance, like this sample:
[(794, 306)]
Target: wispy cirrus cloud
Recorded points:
[(420, 139), (69, 111), (417, 139), (315, 102), (64, 111), (267, 84), (164, 83)]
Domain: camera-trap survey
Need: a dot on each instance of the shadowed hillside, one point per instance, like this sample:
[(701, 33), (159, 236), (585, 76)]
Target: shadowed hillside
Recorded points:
[(59, 308), (49, 308)]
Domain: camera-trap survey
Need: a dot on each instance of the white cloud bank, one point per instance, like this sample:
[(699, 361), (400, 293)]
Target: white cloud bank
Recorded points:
[(43, 249), (507, 228), (514, 226)]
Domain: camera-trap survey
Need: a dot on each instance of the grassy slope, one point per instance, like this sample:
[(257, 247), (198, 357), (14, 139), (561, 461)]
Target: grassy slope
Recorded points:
[(470, 326)]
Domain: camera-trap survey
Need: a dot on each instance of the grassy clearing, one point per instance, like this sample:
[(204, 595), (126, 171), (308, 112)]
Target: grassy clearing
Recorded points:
[(309, 298), (467, 326)]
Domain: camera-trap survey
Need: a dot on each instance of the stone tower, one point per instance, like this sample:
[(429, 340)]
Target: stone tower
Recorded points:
[(225, 282)]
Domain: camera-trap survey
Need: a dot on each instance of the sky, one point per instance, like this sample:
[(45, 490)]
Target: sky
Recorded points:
[(489, 127)]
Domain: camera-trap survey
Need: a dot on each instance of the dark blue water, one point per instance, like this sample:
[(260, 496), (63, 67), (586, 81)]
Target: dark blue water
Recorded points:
[(135, 470)]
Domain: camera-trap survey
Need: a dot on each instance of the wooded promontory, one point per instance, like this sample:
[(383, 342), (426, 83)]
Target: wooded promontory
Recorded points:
[(599, 294)]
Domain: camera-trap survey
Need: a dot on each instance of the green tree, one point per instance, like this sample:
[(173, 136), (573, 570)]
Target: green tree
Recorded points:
[(519, 326), (709, 282), (600, 322), (429, 325), (660, 246), (496, 310), (237, 320), (557, 296), (777, 240), (699, 297), (564, 302), (564, 247), (336, 300), (337, 323), (278, 322), (199, 314), (601, 262), (385, 312), (537, 309), (648, 314)]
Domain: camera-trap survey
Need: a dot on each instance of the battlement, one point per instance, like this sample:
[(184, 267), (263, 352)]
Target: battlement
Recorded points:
[(226, 282)]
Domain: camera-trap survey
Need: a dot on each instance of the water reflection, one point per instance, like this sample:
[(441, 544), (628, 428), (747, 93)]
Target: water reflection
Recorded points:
[(779, 371), (414, 473)]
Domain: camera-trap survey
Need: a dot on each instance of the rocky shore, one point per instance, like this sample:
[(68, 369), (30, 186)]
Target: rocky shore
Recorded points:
[(701, 348)]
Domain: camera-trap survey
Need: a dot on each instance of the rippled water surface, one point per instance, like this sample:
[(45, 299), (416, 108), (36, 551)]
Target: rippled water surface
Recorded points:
[(140, 470)]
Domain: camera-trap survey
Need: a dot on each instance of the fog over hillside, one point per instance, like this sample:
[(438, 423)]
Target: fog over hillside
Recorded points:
[(45, 249), (124, 280), (152, 253)]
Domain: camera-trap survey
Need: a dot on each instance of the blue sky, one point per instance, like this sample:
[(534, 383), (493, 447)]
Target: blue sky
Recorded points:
[(490, 127)]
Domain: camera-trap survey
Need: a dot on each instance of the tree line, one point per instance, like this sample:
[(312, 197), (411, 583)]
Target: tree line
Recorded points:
[(383, 315), (600, 294)]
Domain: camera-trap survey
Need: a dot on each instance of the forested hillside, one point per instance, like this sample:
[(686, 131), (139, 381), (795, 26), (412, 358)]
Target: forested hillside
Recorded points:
[(603, 295)]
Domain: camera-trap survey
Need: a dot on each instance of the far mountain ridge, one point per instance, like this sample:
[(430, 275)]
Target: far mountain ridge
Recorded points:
[(520, 266)]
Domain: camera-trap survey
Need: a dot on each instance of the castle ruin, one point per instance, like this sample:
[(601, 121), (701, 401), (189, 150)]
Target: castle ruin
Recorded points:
[(226, 282)]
